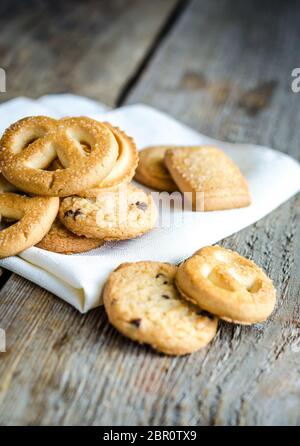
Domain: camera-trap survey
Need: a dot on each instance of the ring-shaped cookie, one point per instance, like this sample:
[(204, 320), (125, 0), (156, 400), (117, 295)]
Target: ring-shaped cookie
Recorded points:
[(226, 284), (34, 217), (30, 145)]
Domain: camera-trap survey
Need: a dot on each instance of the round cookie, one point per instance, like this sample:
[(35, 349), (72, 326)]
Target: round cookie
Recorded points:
[(151, 170), (142, 302), (113, 215), (59, 239), (226, 284), (34, 217), (87, 149)]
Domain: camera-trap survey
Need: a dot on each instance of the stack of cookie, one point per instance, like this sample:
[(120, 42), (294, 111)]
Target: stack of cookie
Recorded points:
[(211, 179), (65, 185), (176, 309)]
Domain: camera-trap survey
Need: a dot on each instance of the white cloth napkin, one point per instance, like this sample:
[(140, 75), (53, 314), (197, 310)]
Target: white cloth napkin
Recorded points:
[(78, 279)]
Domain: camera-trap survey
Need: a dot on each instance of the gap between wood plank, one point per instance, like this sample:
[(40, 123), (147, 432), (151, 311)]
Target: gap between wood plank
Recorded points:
[(162, 34), (4, 276)]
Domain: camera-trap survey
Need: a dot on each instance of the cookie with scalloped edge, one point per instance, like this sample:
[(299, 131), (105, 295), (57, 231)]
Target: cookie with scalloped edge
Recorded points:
[(151, 170)]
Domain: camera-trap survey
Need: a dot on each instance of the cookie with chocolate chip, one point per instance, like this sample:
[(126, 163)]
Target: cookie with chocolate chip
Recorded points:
[(143, 303), (124, 213)]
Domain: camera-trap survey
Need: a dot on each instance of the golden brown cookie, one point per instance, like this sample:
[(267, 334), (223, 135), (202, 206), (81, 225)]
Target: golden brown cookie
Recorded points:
[(124, 169), (226, 284), (142, 302), (113, 215), (151, 170), (30, 145), (214, 180), (59, 239), (6, 186), (34, 217)]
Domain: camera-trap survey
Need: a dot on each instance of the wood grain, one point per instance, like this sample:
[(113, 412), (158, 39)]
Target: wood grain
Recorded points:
[(233, 83), (223, 68), (87, 47)]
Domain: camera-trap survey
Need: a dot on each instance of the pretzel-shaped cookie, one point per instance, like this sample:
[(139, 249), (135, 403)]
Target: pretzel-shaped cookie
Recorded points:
[(86, 148), (124, 169), (5, 186), (35, 216), (227, 284)]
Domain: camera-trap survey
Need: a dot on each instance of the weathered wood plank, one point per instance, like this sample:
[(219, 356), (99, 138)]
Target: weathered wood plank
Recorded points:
[(90, 48), (232, 81), (226, 70), (64, 368)]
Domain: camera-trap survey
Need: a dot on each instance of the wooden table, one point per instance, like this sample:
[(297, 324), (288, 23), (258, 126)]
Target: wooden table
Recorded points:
[(223, 67)]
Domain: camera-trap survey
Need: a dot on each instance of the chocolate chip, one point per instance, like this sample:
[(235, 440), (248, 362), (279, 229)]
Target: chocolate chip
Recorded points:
[(205, 314), (165, 282), (72, 214), (141, 205), (136, 322), (165, 296), (77, 212), (68, 214)]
